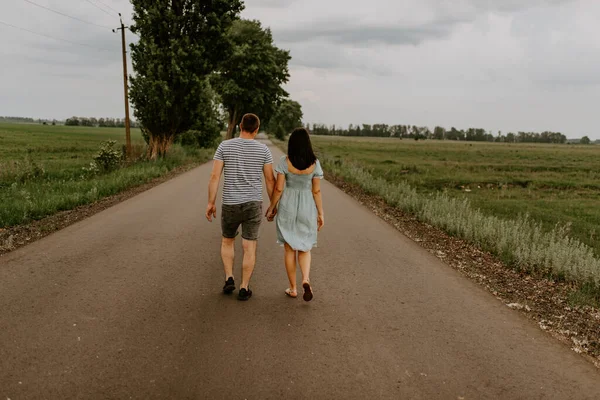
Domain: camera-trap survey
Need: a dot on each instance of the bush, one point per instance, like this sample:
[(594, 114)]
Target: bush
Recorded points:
[(108, 158)]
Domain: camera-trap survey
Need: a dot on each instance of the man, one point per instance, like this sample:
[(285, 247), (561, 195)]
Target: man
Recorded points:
[(244, 161)]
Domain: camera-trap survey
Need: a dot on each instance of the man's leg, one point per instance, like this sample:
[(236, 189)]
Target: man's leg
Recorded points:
[(231, 217), (228, 256), (250, 231), (249, 261)]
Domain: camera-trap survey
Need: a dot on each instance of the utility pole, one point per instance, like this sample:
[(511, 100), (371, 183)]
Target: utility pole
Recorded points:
[(127, 123)]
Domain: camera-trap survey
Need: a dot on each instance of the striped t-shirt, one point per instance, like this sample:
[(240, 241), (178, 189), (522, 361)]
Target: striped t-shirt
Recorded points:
[(244, 160)]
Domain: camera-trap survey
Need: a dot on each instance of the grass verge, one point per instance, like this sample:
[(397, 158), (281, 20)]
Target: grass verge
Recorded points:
[(520, 242), (32, 199), (553, 184), (43, 169)]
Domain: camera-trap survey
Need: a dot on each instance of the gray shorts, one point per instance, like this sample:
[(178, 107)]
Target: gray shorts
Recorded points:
[(249, 215)]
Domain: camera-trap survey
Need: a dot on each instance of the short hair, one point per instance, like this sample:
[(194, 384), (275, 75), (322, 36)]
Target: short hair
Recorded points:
[(250, 123), (300, 151)]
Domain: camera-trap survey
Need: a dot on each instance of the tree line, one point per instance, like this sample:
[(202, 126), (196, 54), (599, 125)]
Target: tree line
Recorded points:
[(99, 122), (74, 121), (17, 119), (439, 133)]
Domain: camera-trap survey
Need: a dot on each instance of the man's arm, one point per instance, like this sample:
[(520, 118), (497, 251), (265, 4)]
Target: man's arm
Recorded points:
[(213, 189), (269, 178)]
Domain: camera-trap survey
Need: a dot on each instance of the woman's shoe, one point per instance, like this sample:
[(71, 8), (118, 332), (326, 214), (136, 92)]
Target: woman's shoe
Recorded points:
[(291, 293), (308, 294)]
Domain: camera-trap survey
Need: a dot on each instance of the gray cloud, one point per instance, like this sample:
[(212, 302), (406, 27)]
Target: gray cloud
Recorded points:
[(513, 5), (327, 56), (368, 34), (270, 3)]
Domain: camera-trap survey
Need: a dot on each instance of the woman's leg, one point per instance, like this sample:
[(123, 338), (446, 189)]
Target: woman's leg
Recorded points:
[(290, 266), (304, 258)]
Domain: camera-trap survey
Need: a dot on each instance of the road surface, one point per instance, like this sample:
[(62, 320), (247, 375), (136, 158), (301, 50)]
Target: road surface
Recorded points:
[(128, 304)]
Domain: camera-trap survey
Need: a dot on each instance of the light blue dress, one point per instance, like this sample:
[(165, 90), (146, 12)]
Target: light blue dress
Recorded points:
[(297, 211)]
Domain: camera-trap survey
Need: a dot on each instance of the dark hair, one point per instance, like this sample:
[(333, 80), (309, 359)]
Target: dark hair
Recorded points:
[(250, 123), (300, 151)]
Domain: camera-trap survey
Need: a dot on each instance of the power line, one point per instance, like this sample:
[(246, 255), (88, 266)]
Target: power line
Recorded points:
[(100, 8), (106, 5), (54, 38), (65, 15)]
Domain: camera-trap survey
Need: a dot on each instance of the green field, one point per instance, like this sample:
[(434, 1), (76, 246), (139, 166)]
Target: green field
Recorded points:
[(554, 184), (41, 168)]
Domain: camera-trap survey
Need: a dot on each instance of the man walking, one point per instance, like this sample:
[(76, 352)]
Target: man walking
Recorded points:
[(244, 161)]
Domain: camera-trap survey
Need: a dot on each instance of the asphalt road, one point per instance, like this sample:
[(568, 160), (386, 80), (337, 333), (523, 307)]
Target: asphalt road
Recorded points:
[(128, 304)]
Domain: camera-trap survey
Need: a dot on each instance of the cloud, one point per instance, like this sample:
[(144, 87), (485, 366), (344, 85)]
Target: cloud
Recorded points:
[(320, 54), (498, 64), (270, 3), (345, 33)]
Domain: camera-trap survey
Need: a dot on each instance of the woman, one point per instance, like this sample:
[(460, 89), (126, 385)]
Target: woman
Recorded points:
[(297, 199)]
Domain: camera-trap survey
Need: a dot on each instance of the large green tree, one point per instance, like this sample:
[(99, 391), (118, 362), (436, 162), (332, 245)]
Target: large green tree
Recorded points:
[(251, 78), (180, 43), (206, 131), (286, 118)]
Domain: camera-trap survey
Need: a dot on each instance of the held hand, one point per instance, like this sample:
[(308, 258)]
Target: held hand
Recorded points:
[(271, 212), (211, 211), (320, 222)]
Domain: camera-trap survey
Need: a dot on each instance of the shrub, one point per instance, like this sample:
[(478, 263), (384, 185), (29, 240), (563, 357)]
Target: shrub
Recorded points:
[(108, 158)]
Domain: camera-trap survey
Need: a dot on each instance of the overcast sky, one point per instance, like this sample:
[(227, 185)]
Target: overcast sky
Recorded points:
[(495, 64)]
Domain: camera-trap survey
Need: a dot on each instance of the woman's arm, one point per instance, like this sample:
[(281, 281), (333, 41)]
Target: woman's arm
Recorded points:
[(277, 192), (316, 191)]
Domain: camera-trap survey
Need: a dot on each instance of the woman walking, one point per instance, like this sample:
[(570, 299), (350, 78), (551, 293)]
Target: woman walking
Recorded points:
[(297, 199)]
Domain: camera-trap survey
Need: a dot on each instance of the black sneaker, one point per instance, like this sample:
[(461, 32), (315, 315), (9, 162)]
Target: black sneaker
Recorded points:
[(244, 294), (229, 286)]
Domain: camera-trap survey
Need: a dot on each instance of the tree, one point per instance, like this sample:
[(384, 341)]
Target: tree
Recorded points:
[(287, 117), (206, 131), (72, 121), (251, 78), (439, 133), (585, 140), (180, 43)]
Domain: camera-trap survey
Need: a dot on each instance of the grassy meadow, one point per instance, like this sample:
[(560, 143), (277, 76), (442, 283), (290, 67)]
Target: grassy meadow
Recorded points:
[(534, 206), (42, 168), (553, 184)]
